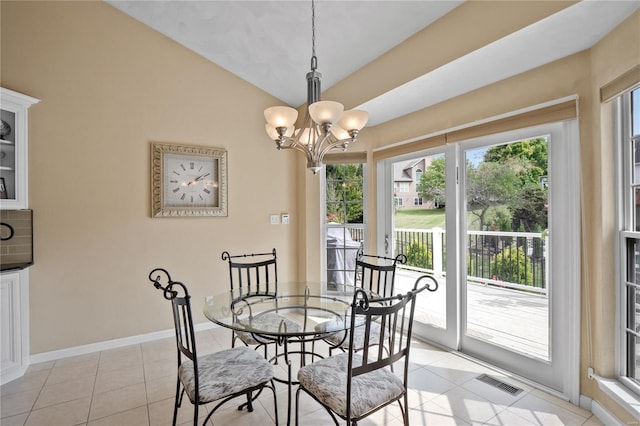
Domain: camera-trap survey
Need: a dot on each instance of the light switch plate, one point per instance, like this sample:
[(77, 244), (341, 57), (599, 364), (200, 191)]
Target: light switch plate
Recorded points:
[(275, 219), (285, 218)]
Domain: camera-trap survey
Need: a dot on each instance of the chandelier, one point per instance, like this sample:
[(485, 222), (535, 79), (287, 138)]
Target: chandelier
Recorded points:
[(326, 125)]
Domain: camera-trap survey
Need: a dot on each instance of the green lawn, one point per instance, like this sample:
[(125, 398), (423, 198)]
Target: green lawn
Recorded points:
[(419, 218)]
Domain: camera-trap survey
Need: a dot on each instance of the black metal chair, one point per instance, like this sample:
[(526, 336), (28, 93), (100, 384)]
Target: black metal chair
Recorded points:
[(219, 376), (376, 274), (254, 274), (353, 385)]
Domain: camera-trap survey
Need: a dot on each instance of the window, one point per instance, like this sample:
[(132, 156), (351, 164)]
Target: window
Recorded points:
[(418, 175), (397, 201), (344, 221), (628, 121), (417, 201), (402, 186)]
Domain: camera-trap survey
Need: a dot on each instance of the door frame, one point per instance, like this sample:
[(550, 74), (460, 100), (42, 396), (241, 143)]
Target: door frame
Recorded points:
[(564, 164)]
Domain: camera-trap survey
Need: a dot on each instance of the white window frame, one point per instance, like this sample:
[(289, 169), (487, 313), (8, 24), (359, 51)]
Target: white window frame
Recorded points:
[(625, 215)]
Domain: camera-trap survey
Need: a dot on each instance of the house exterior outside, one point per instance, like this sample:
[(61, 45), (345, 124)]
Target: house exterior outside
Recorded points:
[(406, 178)]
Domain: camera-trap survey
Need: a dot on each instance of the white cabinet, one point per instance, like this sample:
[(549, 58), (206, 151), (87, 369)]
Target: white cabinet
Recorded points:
[(14, 324), (14, 195), (14, 149)]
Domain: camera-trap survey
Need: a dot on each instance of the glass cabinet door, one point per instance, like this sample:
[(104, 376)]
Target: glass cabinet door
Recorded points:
[(13, 149)]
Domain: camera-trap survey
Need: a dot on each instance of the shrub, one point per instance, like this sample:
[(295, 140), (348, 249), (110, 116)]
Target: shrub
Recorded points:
[(418, 256), (513, 265)]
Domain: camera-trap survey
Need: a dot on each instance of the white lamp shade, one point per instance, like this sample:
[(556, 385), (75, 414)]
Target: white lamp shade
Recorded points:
[(339, 132), (325, 111), (353, 119), (280, 116), (273, 133), (306, 137)]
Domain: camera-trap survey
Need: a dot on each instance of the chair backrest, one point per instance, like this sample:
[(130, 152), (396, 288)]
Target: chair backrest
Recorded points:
[(395, 315), (377, 273), (252, 274), (177, 293)]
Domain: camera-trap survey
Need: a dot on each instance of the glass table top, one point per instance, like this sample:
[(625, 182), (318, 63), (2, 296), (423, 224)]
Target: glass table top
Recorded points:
[(282, 314)]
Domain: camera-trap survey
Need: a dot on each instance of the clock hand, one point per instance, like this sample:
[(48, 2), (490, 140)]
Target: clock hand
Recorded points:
[(198, 178), (201, 177)]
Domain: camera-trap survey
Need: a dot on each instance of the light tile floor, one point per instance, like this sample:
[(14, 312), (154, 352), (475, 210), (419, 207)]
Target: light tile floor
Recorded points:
[(135, 385)]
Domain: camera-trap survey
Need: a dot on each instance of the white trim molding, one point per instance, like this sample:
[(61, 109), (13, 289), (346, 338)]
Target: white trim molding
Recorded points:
[(111, 344)]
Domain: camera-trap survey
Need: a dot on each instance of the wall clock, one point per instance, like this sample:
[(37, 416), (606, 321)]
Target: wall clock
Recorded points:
[(188, 180)]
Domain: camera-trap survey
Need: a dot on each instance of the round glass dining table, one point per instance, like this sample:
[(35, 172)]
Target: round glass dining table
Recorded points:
[(285, 319)]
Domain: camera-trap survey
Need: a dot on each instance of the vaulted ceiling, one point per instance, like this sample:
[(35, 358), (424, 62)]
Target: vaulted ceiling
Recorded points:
[(268, 43)]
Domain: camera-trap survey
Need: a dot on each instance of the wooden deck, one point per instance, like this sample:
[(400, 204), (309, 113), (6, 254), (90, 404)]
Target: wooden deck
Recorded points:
[(512, 319)]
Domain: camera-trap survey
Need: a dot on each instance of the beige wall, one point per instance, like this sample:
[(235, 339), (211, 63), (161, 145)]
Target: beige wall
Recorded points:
[(109, 86)]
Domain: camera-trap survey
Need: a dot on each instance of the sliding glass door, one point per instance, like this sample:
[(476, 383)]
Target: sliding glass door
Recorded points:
[(496, 224)]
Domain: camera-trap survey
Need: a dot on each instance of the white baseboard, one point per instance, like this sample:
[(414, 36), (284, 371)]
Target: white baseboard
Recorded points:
[(111, 344), (604, 415)]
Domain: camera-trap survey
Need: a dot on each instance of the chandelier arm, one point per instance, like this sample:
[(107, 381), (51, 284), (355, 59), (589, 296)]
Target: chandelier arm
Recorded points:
[(292, 143), (333, 145)]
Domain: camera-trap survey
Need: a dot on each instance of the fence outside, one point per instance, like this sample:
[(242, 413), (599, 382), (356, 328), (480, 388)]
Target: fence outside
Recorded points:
[(506, 259)]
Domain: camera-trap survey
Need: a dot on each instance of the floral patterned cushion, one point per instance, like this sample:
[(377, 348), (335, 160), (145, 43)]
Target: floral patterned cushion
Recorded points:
[(266, 321), (327, 381), (225, 373), (340, 339)]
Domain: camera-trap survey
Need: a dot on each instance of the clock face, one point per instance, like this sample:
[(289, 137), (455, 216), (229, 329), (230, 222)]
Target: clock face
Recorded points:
[(190, 181)]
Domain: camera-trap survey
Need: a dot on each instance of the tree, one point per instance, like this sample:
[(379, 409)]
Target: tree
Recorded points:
[(529, 209), (431, 185), (344, 195), (532, 150), (492, 184)]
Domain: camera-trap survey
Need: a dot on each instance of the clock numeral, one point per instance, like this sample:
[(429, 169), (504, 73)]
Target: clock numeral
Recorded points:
[(200, 169), (192, 198), (173, 181), (201, 197), (176, 190), (183, 195), (192, 165), (183, 168), (176, 173), (207, 191)]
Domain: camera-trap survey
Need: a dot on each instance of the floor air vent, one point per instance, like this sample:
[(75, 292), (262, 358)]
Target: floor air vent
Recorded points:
[(511, 390)]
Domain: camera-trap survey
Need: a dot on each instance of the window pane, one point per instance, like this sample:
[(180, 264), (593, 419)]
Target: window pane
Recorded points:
[(344, 204), (635, 112), (636, 210)]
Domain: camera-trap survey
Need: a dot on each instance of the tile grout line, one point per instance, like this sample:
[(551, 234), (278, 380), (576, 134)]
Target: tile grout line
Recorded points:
[(26, 420), (93, 390), (146, 390)]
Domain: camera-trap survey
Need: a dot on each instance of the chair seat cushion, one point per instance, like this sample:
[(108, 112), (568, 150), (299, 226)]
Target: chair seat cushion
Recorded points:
[(225, 373), (326, 379), (341, 338), (267, 321)]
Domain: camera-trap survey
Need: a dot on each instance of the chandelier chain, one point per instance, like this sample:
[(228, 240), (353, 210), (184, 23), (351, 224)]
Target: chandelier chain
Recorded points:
[(314, 59)]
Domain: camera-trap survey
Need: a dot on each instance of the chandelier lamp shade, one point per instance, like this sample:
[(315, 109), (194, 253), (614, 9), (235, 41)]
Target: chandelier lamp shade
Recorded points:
[(326, 125)]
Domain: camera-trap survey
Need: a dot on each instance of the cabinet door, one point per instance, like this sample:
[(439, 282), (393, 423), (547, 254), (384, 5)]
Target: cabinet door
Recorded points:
[(10, 338), (14, 149)]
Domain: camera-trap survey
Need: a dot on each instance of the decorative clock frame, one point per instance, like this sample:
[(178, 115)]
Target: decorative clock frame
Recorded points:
[(172, 172)]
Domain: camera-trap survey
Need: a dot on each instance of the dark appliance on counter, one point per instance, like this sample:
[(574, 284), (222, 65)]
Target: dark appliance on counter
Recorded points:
[(16, 239)]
